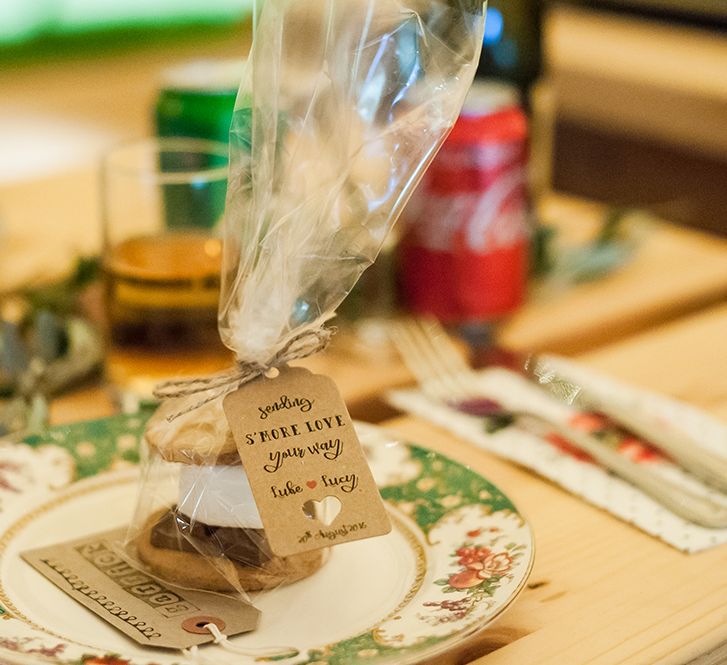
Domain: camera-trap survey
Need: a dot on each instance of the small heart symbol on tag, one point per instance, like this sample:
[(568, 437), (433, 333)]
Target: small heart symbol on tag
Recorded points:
[(311, 484), (326, 510)]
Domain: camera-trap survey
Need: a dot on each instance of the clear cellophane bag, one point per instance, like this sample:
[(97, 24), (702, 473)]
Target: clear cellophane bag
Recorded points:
[(341, 108)]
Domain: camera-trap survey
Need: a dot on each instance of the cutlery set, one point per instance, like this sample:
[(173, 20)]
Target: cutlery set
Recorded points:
[(673, 468)]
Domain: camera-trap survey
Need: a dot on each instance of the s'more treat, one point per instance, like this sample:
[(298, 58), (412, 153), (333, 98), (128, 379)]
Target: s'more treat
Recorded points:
[(212, 538)]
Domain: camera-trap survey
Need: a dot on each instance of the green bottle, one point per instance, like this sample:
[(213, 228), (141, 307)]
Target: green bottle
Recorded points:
[(511, 49), (197, 100)]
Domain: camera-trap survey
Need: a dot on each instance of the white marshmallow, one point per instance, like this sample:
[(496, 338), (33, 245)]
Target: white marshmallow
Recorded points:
[(218, 496)]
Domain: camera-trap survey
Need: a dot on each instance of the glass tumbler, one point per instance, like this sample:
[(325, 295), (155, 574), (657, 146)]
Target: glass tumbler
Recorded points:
[(163, 202)]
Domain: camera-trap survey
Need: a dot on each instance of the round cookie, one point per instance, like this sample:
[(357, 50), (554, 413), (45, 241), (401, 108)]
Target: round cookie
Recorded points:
[(201, 436), (188, 569)]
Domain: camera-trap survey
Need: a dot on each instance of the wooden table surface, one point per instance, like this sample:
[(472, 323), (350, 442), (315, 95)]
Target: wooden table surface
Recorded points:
[(686, 359), (601, 591)]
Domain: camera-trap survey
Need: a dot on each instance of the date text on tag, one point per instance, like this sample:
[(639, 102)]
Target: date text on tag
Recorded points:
[(307, 471)]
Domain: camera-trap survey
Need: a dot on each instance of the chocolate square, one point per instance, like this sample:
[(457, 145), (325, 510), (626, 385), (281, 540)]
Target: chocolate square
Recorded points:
[(176, 531)]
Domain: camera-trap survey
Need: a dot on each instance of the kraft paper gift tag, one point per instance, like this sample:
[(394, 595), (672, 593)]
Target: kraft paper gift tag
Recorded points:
[(306, 467), (155, 614)]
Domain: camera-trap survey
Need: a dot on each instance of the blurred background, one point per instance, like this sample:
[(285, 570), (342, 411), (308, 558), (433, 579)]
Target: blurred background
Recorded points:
[(620, 107), (634, 91), (639, 89)]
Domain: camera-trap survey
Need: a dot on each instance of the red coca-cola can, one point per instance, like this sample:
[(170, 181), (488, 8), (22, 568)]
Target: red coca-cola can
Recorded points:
[(464, 250)]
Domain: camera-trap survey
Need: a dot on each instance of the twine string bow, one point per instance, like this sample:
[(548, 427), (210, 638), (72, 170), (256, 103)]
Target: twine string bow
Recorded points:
[(301, 346)]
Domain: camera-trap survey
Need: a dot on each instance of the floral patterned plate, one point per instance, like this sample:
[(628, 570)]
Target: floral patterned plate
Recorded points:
[(458, 555)]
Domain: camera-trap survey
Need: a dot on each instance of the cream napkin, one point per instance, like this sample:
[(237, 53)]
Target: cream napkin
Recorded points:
[(572, 471)]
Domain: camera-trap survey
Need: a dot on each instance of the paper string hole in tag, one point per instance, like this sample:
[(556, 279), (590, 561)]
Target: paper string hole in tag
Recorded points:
[(301, 454)]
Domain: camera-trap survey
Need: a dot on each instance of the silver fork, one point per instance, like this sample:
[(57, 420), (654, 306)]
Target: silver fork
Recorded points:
[(444, 376)]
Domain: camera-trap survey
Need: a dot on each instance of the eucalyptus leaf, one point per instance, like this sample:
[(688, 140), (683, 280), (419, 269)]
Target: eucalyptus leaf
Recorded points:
[(15, 358), (50, 340), (44, 349)]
